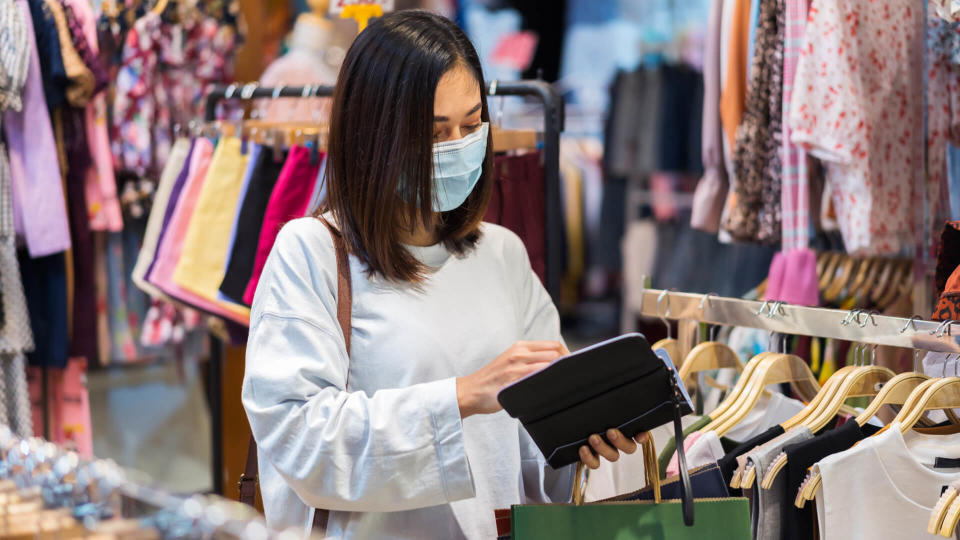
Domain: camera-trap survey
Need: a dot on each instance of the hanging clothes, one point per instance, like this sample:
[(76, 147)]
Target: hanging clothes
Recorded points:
[(289, 200), (268, 165), (206, 244), (755, 212), (518, 204), (103, 205), (863, 122), (39, 208)]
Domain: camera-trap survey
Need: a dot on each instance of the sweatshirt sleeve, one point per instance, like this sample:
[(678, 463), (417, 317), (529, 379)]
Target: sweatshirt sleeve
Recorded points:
[(398, 449)]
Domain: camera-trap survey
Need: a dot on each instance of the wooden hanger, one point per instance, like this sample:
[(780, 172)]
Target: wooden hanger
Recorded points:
[(863, 381), (826, 393), (946, 514), (866, 266), (899, 286), (943, 393), (894, 392), (846, 272), (822, 259), (880, 286), (913, 409), (709, 356), (729, 403), (509, 140), (829, 269), (775, 369)]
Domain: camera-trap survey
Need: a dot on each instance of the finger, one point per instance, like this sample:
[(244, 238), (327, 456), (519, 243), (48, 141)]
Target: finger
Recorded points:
[(621, 443), (544, 346), (588, 458), (603, 449), (526, 369), (641, 438), (541, 356)]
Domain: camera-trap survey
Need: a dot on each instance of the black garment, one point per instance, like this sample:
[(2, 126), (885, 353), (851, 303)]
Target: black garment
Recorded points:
[(265, 174), (797, 523), (680, 120), (728, 463), (45, 286), (48, 49), (548, 19)]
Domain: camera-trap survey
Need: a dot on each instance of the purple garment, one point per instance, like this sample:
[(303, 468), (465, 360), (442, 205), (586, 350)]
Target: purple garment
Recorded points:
[(172, 203), (39, 206)]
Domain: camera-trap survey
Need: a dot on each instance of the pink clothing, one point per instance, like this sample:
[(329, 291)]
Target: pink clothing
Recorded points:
[(170, 249), (103, 205), (290, 200), (39, 206), (795, 192), (673, 468)]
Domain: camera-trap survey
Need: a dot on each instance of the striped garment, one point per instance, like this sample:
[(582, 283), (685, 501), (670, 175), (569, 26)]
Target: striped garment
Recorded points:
[(795, 196), (14, 55)]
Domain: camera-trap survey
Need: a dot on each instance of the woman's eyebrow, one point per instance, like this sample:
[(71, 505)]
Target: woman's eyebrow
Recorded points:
[(447, 119)]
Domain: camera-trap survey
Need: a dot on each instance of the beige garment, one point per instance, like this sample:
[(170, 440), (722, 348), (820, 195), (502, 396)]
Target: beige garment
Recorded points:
[(82, 82)]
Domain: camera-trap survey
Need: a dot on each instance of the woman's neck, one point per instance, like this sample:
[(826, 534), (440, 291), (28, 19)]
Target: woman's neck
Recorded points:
[(420, 234)]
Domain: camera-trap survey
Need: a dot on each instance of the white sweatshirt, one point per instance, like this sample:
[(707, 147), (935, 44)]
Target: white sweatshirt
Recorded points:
[(390, 455)]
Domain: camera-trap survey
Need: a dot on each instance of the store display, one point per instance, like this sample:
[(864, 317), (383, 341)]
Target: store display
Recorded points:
[(799, 158)]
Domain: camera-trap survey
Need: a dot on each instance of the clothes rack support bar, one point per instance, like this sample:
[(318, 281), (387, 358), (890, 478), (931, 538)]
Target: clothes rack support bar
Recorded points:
[(862, 327)]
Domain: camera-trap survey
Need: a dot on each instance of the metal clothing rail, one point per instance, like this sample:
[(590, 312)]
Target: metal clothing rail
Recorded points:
[(553, 122), (857, 325)]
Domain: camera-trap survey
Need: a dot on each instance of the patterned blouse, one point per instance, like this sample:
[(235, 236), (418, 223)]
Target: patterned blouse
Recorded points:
[(165, 71)]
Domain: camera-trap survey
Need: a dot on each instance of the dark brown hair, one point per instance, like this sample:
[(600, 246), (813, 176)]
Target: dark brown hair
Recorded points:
[(381, 142)]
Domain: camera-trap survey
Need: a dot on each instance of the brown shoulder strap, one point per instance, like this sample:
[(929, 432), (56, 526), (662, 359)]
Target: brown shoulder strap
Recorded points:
[(344, 286), (249, 479)]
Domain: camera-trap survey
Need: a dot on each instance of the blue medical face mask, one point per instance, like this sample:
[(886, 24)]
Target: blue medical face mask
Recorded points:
[(457, 166)]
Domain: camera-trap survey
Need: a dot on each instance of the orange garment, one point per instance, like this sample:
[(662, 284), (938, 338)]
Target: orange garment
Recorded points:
[(734, 92)]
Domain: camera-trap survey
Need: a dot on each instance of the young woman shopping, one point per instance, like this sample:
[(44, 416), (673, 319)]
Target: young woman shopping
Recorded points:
[(399, 434)]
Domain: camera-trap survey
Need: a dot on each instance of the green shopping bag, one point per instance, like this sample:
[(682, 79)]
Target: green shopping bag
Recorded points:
[(623, 519)]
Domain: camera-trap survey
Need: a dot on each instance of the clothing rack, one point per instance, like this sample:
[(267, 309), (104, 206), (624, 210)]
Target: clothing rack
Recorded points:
[(553, 123), (858, 325)]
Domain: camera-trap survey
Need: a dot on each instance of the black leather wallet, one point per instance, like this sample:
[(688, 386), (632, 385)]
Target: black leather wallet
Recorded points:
[(621, 383)]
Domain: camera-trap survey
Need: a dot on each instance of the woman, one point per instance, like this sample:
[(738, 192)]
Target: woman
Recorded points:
[(402, 435)]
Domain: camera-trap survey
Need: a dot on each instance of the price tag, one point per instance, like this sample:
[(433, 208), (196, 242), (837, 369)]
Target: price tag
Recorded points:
[(337, 6)]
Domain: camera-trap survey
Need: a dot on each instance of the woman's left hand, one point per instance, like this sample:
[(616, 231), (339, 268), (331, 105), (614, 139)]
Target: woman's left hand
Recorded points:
[(590, 455)]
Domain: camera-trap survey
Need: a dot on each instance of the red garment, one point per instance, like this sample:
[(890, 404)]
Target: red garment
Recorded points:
[(518, 204), (290, 200)]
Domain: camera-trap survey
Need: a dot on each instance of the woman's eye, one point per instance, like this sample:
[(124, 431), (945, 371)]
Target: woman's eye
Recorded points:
[(472, 128)]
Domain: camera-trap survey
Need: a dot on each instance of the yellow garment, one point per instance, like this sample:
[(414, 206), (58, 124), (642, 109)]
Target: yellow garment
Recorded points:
[(573, 210), (205, 246), (829, 362), (734, 94)]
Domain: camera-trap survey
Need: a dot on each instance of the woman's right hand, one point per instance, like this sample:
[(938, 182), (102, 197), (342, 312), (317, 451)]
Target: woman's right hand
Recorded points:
[(477, 392)]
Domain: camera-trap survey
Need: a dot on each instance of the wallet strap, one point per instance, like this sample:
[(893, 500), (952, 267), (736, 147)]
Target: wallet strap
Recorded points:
[(686, 491)]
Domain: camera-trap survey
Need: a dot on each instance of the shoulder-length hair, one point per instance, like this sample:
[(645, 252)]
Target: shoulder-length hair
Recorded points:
[(380, 153)]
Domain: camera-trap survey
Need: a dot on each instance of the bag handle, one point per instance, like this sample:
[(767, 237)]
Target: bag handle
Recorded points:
[(250, 478), (651, 468)]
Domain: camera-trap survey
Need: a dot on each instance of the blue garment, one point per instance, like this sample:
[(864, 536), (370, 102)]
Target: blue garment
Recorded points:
[(319, 189), (953, 179), (48, 49), (754, 16), (252, 164)]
